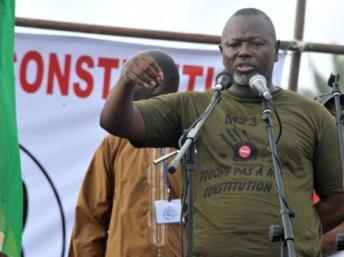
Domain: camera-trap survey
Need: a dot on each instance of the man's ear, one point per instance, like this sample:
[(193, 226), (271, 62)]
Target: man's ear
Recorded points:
[(277, 47), (220, 47)]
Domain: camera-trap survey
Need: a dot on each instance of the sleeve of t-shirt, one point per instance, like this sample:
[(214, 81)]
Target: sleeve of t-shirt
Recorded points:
[(162, 118), (328, 176)]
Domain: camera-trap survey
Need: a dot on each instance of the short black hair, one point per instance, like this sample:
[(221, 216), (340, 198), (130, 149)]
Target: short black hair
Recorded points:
[(168, 67), (255, 12)]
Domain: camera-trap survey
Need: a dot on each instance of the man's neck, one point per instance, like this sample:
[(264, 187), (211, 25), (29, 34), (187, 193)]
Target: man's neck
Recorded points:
[(241, 90), (244, 90)]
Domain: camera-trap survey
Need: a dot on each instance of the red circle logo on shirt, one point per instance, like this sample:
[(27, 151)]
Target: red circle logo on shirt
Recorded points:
[(244, 151)]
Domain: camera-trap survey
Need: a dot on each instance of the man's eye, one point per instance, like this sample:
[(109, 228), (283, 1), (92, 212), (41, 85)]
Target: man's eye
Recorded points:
[(233, 45), (257, 43)]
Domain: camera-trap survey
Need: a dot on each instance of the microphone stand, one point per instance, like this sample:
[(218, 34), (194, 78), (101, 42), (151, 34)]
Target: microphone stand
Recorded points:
[(333, 82), (188, 151), (278, 233)]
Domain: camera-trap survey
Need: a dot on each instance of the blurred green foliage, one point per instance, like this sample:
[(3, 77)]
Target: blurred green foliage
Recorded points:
[(320, 81)]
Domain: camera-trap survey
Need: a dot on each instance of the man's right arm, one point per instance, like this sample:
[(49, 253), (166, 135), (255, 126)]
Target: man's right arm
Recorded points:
[(119, 116)]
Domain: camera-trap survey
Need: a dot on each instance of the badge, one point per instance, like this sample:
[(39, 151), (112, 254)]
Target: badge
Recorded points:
[(244, 151), (168, 211)]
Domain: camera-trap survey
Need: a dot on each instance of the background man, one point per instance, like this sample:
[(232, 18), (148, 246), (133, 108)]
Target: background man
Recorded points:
[(115, 211)]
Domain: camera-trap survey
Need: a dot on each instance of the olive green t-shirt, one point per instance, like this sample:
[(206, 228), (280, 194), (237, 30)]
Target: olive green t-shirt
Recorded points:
[(235, 200)]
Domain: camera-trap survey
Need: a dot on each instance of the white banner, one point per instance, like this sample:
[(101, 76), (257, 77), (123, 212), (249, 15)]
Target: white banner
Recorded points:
[(61, 84)]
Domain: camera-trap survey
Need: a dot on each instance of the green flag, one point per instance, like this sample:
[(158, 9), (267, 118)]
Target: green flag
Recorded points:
[(10, 176)]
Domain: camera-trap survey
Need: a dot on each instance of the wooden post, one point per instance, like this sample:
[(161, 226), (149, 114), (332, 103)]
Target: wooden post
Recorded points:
[(298, 36)]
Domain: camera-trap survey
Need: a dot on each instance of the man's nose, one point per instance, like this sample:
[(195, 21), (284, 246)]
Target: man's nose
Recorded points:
[(245, 49)]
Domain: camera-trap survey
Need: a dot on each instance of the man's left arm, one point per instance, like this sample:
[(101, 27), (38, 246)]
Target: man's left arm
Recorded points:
[(331, 210)]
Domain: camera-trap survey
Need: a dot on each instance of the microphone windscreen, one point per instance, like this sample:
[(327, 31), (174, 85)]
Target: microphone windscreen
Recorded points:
[(225, 79)]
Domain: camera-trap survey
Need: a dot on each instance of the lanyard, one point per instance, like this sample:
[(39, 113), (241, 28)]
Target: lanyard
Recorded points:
[(166, 178)]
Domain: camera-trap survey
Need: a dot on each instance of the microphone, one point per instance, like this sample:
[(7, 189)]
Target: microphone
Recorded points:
[(258, 85), (223, 81)]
